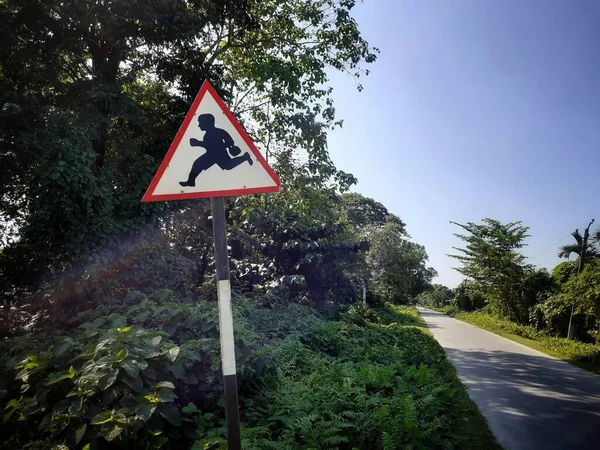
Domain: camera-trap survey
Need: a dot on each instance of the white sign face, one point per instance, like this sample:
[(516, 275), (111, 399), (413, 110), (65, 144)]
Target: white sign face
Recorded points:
[(211, 156)]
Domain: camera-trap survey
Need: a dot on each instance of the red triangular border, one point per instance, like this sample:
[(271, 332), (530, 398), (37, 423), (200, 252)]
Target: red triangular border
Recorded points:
[(206, 87)]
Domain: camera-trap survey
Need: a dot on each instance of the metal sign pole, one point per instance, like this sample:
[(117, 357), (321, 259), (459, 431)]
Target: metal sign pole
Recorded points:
[(226, 324)]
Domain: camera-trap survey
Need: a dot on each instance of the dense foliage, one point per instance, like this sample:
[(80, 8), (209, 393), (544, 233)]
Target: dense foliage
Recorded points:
[(91, 93), (145, 375), (539, 304)]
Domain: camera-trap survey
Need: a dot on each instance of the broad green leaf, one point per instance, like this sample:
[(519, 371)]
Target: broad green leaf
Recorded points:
[(108, 379), (177, 370), (145, 410), (60, 376), (11, 403), (164, 384), (103, 417), (162, 440), (110, 431), (190, 378), (171, 413), (132, 367), (120, 418), (189, 409), (165, 395), (79, 433), (121, 355), (62, 405), (136, 384), (172, 353)]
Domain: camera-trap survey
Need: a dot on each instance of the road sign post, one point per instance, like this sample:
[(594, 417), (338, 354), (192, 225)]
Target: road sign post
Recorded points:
[(229, 165), (226, 324)]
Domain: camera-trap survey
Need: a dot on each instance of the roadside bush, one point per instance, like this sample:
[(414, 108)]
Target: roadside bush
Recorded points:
[(146, 375), (127, 378), (367, 385), (449, 310)]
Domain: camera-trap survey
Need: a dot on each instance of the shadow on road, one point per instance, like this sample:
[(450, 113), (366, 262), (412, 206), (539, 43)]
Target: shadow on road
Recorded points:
[(531, 401)]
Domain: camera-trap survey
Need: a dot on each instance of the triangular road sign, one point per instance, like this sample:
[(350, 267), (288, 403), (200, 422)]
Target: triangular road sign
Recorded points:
[(211, 156)]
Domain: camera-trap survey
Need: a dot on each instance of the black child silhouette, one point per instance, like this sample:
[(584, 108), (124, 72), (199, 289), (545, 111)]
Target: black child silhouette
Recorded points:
[(217, 142)]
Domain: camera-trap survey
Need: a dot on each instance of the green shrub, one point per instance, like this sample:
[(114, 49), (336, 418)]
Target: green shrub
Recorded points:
[(146, 375), (124, 377), (449, 310), (365, 385)]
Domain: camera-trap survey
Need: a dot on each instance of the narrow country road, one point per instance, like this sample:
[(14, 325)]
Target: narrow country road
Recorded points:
[(530, 400)]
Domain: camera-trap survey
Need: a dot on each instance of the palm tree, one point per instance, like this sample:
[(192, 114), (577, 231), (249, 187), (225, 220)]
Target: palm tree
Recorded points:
[(590, 252), (585, 252)]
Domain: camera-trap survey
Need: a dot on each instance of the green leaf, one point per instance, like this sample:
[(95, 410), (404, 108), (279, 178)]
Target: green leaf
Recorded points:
[(177, 370), (189, 409), (79, 433), (190, 378), (162, 440), (108, 379), (145, 410), (103, 417), (120, 418), (60, 376), (171, 413), (86, 447), (165, 395), (132, 367), (164, 384), (110, 431), (136, 384), (172, 353), (121, 355)]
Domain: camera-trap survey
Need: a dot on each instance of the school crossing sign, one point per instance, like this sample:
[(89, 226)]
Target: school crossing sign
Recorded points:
[(211, 156)]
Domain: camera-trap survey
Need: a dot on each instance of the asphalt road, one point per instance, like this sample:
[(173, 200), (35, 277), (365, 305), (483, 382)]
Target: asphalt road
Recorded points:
[(530, 400)]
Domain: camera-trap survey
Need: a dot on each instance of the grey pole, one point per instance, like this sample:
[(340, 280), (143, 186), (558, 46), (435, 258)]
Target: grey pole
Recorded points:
[(226, 324)]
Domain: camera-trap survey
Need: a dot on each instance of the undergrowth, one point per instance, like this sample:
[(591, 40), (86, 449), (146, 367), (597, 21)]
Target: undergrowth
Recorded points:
[(145, 375)]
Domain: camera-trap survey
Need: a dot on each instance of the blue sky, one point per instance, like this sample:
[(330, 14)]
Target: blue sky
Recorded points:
[(477, 109)]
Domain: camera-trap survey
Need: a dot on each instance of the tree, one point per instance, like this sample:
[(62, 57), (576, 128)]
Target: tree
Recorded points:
[(581, 294), (492, 261), (467, 297), (564, 271), (92, 93), (585, 252), (436, 296), (398, 265), (364, 211), (581, 246)]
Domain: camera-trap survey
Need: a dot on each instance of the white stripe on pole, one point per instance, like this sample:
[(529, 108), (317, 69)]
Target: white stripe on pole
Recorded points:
[(226, 327)]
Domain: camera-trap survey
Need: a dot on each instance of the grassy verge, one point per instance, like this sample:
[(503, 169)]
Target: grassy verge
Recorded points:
[(586, 356)]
